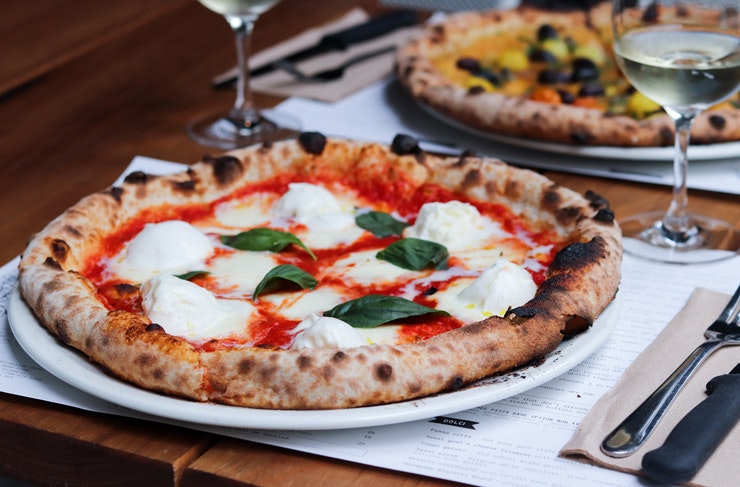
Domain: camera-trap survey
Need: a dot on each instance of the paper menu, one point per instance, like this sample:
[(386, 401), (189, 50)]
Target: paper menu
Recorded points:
[(514, 441)]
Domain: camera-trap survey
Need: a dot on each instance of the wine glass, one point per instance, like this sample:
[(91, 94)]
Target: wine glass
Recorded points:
[(685, 55), (242, 125)]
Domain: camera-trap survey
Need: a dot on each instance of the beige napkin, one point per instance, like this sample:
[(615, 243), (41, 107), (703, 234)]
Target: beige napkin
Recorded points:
[(355, 77), (646, 373)]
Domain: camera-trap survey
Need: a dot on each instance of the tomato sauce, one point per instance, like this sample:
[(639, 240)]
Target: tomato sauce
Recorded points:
[(270, 329)]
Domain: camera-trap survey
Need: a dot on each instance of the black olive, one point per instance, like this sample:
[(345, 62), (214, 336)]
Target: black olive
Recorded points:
[(551, 76), (584, 70), (546, 31), (566, 97), (490, 76), (591, 89), (468, 64), (542, 56)]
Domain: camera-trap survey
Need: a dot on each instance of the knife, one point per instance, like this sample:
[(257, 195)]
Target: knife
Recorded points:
[(697, 435), (336, 41)]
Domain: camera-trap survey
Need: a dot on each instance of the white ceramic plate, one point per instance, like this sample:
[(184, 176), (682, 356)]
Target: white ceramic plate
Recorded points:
[(76, 370), (696, 152)]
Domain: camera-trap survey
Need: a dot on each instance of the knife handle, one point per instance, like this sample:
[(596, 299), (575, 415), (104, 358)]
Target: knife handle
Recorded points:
[(375, 27), (697, 435)]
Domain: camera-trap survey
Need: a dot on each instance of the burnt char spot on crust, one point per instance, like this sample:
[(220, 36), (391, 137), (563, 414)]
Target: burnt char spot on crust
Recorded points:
[(339, 357), (50, 262), (551, 198), (145, 360), (185, 185), (304, 362), (383, 372), (666, 135), (717, 122), (605, 215), (62, 331), (403, 144), (464, 155), (225, 169), (455, 383), (651, 13), (312, 142), (526, 312), (59, 249), (568, 215), (116, 193), (327, 372), (575, 325), (136, 177), (580, 137), (245, 366), (578, 255), (154, 327), (472, 179), (476, 90), (72, 230), (596, 201)]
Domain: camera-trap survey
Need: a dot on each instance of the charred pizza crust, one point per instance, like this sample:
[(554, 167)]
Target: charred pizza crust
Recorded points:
[(520, 116), (581, 282)]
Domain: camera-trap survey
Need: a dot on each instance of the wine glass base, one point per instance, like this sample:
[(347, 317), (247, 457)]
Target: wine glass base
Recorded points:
[(712, 240), (217, 130)]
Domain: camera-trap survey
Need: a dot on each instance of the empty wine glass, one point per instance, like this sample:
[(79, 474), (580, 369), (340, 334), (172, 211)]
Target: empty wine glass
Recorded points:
[(685, 55), (242, 125)]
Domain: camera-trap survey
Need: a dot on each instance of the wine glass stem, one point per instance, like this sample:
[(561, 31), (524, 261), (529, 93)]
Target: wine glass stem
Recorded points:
[(243, 112), (677, 224)]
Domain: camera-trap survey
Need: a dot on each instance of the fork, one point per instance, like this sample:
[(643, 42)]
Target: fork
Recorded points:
[(634, 430), (331, 73)]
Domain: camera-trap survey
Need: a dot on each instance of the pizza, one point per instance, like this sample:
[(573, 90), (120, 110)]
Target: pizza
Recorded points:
[(322, 273), (544, 75)]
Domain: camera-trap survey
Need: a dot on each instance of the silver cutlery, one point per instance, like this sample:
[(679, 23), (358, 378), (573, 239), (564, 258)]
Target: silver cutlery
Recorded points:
[(335, 41), (635, 429), (331, 73)]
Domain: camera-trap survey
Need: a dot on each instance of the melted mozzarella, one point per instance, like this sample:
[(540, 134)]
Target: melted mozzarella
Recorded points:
[(498, 288), (240, 272), (329, 221), (326, 332), (171, 247), (187, 310), (304, 201), (454, 224), (298, 306), (249, 213), (365, 269)]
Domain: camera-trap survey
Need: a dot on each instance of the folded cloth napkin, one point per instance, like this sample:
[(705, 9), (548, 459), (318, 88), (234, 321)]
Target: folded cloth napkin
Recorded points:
[(646, 373), (355, 77)]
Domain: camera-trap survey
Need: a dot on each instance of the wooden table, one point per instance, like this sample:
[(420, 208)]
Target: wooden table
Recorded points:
[(85, 86)]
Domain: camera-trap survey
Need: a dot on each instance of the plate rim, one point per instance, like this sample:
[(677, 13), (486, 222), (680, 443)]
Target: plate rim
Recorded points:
[(703, 152), (73, 368)]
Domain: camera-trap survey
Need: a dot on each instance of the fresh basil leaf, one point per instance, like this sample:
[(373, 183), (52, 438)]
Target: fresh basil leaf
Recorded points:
[(189, 275), (415, 254), (264, 239), (377, 309), (284, 274), (380, 224)]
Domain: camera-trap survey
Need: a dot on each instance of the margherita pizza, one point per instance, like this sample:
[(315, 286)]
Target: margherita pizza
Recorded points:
[(316, 274), (545, 75)]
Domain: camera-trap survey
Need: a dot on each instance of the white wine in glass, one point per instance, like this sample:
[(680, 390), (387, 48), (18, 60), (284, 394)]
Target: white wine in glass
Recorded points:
[(244, 124), (685, 55)]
